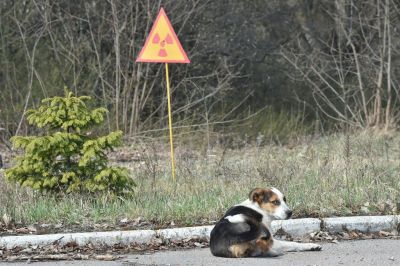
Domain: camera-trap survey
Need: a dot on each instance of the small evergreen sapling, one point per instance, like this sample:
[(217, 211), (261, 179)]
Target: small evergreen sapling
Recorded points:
[(66, 159)]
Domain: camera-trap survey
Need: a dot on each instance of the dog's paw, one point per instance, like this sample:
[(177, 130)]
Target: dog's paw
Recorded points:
[(315, 247)]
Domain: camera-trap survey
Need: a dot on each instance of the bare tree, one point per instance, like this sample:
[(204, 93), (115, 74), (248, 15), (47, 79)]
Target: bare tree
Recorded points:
[(349, 69)]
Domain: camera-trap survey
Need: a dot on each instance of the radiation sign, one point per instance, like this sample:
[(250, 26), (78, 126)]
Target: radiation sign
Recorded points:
[(162, 44)]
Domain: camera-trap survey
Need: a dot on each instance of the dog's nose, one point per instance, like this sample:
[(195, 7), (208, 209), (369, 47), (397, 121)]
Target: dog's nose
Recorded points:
[(289, 213)]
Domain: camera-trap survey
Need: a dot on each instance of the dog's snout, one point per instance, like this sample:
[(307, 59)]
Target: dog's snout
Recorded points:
[(289, 214)]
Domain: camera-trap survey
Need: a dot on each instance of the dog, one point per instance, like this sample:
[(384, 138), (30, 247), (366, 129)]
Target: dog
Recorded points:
[(244, 231)]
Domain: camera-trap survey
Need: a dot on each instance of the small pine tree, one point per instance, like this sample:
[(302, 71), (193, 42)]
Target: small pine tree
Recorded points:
[(67, 159)]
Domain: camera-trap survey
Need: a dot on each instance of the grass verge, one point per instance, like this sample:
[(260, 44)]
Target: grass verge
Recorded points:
[(335, 175)]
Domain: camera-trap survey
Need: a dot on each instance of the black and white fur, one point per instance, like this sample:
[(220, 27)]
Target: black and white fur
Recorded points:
[(244, 231)]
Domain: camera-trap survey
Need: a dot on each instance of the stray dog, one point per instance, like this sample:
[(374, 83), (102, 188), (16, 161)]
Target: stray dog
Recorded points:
[(244, 231)]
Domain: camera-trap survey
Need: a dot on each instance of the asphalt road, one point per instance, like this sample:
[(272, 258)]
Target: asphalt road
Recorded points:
[(361, 252)]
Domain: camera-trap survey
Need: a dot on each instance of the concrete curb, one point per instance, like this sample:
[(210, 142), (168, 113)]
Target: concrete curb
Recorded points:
[(294, 228), (97, 238), (297, 227), (184, 232), (362, 223)]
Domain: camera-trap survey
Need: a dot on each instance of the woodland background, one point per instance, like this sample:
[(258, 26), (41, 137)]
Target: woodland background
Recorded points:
[(260, 69)]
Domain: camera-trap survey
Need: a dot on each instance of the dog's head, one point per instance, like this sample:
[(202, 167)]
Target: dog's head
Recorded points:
[(272, 202)]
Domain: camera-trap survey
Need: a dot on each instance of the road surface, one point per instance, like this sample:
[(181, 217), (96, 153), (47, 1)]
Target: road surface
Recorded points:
[(361, 252)]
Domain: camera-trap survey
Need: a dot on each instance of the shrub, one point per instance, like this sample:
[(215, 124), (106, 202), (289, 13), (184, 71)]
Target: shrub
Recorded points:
[(68, 158)]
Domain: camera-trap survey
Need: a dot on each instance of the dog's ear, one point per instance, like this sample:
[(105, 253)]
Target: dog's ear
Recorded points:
[(260, 195), (256, 194)]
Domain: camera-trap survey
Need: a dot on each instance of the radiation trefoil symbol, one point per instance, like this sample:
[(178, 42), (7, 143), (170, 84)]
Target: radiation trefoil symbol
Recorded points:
[(168, 40)]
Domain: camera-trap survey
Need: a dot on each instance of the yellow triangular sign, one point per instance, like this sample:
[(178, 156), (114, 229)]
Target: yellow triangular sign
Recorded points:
[(162, 44)]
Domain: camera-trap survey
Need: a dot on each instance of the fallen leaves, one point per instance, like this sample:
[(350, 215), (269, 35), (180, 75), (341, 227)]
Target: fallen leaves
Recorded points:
[(387, 234), (37, 258), (351, 235), (72, 251), (69, 251)]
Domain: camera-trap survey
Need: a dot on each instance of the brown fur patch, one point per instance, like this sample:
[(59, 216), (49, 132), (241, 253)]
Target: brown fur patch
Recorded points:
[(241, 250), (264, 197), (264, 245), (268, 206), (260, 194), (258, 248)]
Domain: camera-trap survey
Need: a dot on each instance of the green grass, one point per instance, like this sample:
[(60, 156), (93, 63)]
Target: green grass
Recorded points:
[(333, 175)]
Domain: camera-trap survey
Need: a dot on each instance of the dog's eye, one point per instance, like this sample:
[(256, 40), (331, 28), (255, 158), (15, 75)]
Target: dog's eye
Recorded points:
[(284, 199), (276, 202)]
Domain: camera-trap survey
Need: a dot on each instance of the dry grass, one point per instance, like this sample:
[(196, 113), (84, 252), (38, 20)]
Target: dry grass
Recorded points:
[(335, 175)]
